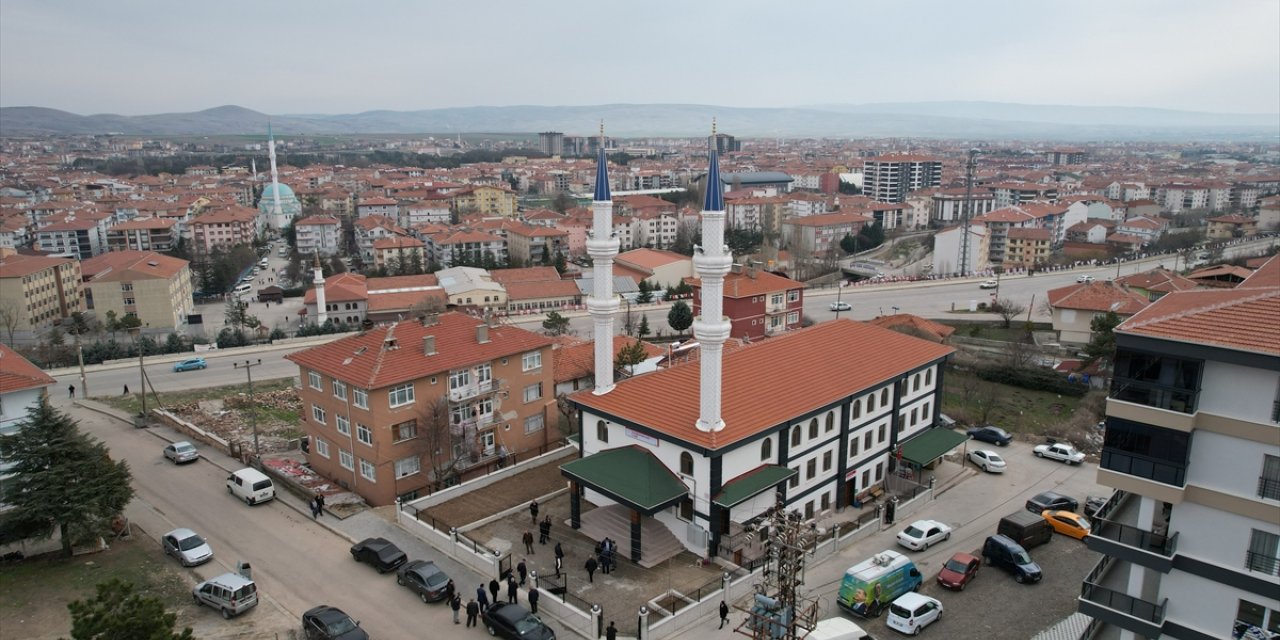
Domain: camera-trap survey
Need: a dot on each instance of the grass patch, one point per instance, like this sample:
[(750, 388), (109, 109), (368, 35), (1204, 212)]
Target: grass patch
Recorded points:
[(34, 593), (1017, 330), (132, 404), (966, 397)]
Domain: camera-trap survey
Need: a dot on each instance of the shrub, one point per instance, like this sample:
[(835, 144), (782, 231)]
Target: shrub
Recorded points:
[(1035, 379)]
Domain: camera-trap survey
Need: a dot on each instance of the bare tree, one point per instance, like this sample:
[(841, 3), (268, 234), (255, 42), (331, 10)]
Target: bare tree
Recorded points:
[(10, 318), (427, 305), (986, 401), (1008, 310), (438, 440), (1019, 353)]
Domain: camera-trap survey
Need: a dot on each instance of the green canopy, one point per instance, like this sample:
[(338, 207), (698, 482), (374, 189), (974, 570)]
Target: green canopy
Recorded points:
[(930, 445), (630, 475), (752, 483)]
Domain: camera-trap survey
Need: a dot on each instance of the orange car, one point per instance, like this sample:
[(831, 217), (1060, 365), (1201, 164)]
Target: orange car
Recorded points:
[(1068, 523)]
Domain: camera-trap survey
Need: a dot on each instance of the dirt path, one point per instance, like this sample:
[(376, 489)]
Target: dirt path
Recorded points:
[(499, 496)]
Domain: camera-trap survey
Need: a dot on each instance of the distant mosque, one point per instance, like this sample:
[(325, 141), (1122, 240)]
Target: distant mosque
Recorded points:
[(278, 204)]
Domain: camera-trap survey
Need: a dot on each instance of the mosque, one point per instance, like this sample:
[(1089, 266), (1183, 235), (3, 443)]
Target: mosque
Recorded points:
[(278, 204)]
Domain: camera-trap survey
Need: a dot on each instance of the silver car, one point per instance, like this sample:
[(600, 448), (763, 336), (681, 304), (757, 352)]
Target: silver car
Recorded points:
[(180, 452), (187, 546)]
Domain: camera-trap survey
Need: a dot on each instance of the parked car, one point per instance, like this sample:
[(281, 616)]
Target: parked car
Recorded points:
[(424, 578), (841, 305), (1051, 500), (187, 546), (959, 571), (1027, 529), (988, 461), (988, 284), (180, 452), (190, 365), (251, 485), (514, 622), (380, 553), (991, 433), (1059, 451), (912, 612), (922, 533), (1093, 503), (230, 593), (1068, 523), (331, 623), (1002, 552), (1084, 278)]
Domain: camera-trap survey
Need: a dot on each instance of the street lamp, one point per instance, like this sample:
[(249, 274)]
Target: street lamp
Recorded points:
[(253, 414)]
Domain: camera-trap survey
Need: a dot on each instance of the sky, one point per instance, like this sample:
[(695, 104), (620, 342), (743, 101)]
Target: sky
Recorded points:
[(135, 57)]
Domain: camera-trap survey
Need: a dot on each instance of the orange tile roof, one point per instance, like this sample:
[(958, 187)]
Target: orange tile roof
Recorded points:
[(651, 258), (1244, 319), (1157, 280), (403, 300), (340, 287), (401, 282), (1098, 296), (131, 265), (18, 265), (934, 330), (517, 291), (17, 373), (524, 274), (363, 360), (741, 285), (768, 383), (1268, 275), (576, 358)]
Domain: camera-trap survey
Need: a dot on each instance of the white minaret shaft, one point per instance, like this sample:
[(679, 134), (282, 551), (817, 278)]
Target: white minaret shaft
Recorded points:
[(277, 214), (322, 313), (602, 247), (711, 262)]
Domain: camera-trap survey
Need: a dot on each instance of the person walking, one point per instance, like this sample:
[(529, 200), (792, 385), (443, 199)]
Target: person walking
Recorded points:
[(533, 600), (320, 503), (482, 597), (544, 527), (450, 591), (528, 541), (611, 633), (724, 614), (513, 590), (559, 551), (315, 509), (533, 512), (71, 388), (455, 603), (494, 588), (522, 570), (591, 569), (473, 610), (559, 565), (126, 390)]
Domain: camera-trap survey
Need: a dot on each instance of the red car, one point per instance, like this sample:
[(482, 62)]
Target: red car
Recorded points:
[(959, 571)]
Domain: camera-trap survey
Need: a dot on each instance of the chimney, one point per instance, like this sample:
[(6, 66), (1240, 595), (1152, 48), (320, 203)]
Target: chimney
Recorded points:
[(430, 319), (751, 270), (428, 345), (482, 333)]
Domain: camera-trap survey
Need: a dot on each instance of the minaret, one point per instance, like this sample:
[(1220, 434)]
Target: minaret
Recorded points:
[(322, 313), (711, 262), (602, 247), (277, 215)]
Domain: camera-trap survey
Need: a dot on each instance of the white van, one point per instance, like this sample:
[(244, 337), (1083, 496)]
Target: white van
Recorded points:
[(837, 629), (242, 289), (251, 485), (230, 593)]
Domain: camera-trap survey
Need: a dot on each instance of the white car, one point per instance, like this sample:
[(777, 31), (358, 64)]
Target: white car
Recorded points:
[(988, 461), (1060, 452), (912, 612), (922, 533), (187, 546), (840, 305), (1084, 279), (989, 284)]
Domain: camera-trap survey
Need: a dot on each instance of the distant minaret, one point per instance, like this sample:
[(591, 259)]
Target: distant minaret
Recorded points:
[(253, 165), (602, 247), (322, 313), (711, 261), (277, 215)]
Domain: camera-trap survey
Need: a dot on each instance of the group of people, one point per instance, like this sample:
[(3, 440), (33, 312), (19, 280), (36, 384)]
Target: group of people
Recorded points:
[(483, 599), (317, 506), (606, 558)]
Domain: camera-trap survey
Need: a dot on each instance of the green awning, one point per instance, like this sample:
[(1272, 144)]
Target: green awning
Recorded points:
[(930, 445), (751, 484), (630, 475)]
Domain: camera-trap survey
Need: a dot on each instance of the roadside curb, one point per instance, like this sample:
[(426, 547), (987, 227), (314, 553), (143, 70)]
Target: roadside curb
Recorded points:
[(186, 355)]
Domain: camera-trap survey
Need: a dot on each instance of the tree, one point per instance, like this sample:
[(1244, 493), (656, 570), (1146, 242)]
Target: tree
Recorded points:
[(1102, 341), (117, 612), (849, 243), (10, 318), (871, 235), (646, 292), (439, 440), (1008, 310), (555, 324), (560, 264), (562, 202), (112, 324), (680, 317), (630, 355), (235, 311), (62, 477), (643, 330)]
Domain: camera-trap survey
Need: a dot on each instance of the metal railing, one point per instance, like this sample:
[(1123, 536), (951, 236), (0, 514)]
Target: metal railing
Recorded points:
[(1135, 537), (1143, 467), (1124, 603), (471, 391), (1262, 563), (1269, 488), (1155, 395)]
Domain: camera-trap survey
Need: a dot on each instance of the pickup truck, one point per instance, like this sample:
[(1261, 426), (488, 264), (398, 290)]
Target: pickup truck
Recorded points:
[(1060, 452)]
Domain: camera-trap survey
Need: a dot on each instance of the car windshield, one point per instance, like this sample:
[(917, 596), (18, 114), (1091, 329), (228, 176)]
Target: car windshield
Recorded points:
[(1084, 524), (998, 431), (956, 566), (183, 448), (1021, 558), (528, 623), (187, 544), (991, 457), (340, 627), (913, 532), (901, 612), (436, 578)]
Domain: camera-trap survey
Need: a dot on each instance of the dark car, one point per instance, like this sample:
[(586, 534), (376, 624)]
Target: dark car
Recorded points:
[(959, 571), (514, 622), (1000, 551), (379, 553), (1051, 501), (330, 623), (994, 435), (424, 578), (1093, 503)]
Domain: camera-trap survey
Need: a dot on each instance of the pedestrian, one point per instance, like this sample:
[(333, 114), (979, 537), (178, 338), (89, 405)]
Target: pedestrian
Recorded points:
[(724, 614), (315, 509), (611, 633), (528, 541), (455, 603), (126, 390), (449, 590), (494, 588), (320, 503), (482, 597), (544, 527), (473, 609), (72, 389), (591, 569), (512, 590), (559, 565), (533, 511), (559, 551), (522, 570), (533, 600)]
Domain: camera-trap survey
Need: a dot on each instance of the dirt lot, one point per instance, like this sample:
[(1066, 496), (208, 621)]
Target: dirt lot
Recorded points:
[(501, 495)]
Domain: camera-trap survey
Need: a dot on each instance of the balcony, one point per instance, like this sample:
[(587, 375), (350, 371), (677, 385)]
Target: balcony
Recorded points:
[(1268, 488), (470, 426), (1102, 597), (1262, 563), (1155, 395), (1144, 467), (1115, 534), (462, 394)]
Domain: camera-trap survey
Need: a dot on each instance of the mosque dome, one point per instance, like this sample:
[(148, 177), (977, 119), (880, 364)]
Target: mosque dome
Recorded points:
[(285, 192)]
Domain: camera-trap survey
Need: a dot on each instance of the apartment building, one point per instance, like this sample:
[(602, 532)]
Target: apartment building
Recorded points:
[(1027, 247), (757, 303), (451, 248), (421, 403), (399, 253), (143, 234), (80, 237), (318, 235), (821, 234), (1191, 537), (223, 229), (40, 289), (532, 245), (487, 200), (890, 178), (154, 287)]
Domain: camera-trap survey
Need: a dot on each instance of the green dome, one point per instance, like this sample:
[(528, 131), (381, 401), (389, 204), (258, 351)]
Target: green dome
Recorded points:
[(285, 192)]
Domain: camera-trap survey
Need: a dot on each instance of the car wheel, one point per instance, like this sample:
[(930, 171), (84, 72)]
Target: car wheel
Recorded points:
[(986, 559), (400, 580), (491, 630), (226, 613), (924, 546), (380, 570), (199, 602), (1039, 455), (424, 598), (947, 537), (1019, 578), (962, 586), (249, 501)]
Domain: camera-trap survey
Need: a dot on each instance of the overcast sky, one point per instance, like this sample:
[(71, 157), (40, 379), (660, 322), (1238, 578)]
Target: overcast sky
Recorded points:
[(321, 56)]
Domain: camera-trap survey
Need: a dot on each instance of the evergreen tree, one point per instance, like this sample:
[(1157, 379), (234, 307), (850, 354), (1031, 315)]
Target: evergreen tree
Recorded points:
[(643, 330), (555, 324), (630, 355), (117, 612), (680, 317), (646, 292), (561, 264), (62, 477), (1102, 342)]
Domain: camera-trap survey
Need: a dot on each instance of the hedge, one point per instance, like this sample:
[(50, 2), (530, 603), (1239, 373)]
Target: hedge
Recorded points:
[(1034, 379)]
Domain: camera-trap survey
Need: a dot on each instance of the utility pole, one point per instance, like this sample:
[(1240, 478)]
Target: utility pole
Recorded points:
[(778, 610), (967, 211), (84, 381), (253, 412)]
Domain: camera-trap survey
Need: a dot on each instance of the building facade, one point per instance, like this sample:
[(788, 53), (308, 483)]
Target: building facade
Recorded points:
[(890, 178), (153, 287), (38, 290)]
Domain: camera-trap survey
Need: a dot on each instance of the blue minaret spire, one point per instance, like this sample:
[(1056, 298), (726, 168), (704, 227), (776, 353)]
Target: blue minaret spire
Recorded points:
[(602, 172), (714, 199)]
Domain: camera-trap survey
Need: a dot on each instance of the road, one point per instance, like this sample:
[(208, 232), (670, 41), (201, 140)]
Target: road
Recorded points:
[(295, 561)]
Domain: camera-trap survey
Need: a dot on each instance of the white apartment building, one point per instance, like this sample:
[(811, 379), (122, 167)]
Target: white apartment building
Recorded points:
[(890, 178), (318, 235)]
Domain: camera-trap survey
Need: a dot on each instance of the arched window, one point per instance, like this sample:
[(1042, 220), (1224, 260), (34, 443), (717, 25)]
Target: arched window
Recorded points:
[(915, 382), (602, 432), (857, 409), (928, 376), (766, 449), (813, 428), (871, 403), (795, 436), (686, 463), (884, 396), (831, 421)]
